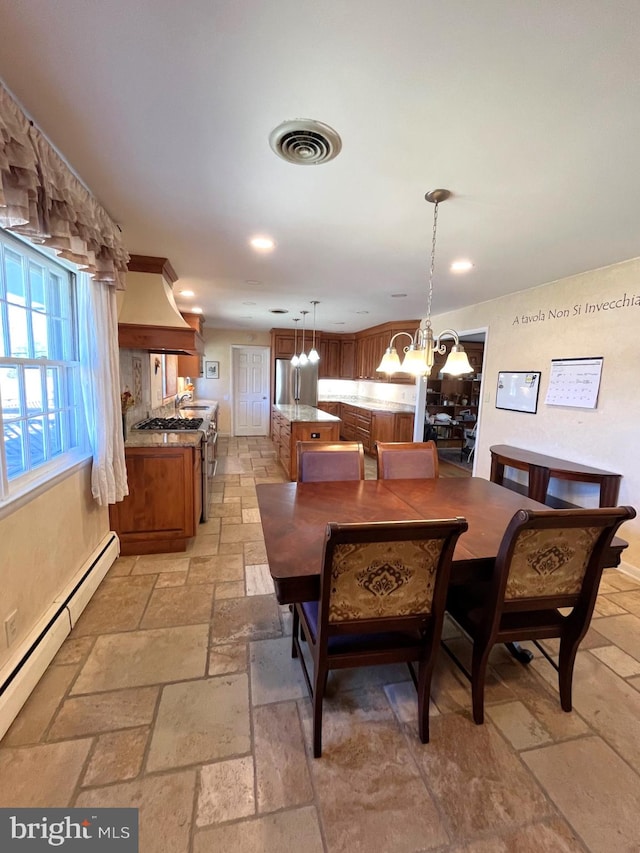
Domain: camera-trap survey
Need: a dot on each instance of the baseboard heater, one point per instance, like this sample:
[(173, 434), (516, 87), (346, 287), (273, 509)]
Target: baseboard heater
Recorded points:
[(26, 666)]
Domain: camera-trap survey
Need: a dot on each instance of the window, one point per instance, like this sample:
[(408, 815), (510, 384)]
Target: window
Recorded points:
[(42, 429)]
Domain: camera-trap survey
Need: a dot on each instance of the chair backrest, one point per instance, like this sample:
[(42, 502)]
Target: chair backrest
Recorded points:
[(407, 459), (554, 558), (330, 460), (379, 576)]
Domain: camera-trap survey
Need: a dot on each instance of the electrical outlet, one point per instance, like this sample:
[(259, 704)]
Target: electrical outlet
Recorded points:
[(11, 627)]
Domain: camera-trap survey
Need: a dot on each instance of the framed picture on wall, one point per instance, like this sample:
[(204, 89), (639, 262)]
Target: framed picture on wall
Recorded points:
[(212, 369)]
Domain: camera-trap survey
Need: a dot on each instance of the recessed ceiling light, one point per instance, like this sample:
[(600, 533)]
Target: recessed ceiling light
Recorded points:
[(461, 266), (398, 295), (360, 312), (339, 323), (197, 310), (278, 310), (246, 317), (262, 244), (186, 293), (248, 303), (252, 282)]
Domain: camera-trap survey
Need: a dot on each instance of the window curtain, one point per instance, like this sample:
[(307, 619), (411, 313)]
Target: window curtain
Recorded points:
[(41, 199), (100, 372)]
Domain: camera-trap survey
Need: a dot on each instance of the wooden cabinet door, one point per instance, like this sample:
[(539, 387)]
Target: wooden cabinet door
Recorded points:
[(191, 365), (158, 514), (347, 359), (403, 426), (282, 345)]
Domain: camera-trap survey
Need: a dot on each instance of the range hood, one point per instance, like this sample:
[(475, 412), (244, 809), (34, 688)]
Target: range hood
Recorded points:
[(148, 317)]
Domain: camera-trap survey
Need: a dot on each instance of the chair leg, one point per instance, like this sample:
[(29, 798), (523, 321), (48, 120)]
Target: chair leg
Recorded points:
[(319, 686), (566, 661), (478, 677), (424, 693), (295, 630)]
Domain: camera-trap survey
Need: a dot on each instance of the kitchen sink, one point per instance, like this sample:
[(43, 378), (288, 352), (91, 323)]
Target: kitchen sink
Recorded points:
[(184, 408)]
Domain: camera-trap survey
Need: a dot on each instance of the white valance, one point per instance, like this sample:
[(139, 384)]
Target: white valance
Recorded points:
[(43, 200)]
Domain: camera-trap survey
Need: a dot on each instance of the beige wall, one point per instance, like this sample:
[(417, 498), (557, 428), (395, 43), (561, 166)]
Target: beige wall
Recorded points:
[(44, 543), (218, 343), (604, 437)]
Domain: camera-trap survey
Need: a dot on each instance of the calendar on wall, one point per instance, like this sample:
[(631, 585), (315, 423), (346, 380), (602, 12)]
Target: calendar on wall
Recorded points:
[(574, 382)]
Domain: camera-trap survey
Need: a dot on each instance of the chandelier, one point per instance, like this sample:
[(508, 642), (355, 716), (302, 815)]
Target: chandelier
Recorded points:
[(419, 355)]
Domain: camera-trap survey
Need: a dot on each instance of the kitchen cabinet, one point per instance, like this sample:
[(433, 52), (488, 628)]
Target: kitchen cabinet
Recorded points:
[(192, 365), (329, 351), (286, 433), (330, 408), (349, 356), (163, 508), (368, 426)]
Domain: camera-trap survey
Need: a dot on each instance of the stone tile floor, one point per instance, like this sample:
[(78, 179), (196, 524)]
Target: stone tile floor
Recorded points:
[(176, 693)]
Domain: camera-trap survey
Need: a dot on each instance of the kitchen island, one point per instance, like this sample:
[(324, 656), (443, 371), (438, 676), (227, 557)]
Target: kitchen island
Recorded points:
[(369, 421), (291, 424)]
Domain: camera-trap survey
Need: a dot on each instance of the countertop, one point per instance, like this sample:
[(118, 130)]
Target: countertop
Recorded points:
[(371, 405), (149, 438), (185, 438), (307, 414)]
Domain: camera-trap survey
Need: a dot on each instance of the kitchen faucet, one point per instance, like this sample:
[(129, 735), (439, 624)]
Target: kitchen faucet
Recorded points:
[(180, 398)]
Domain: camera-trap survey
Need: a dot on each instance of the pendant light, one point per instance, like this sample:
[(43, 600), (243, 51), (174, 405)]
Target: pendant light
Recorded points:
[(314, 355), (303, 356), (419, 355), (295, 361)]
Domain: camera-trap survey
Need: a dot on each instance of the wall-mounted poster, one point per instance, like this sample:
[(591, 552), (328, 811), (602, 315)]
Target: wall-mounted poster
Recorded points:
[(212, 370), (518, 391), (574, 382)]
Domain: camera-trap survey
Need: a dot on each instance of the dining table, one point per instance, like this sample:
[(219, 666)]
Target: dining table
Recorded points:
[(295, 516)]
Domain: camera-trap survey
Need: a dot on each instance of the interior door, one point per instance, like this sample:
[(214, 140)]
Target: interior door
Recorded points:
[(250, 390)]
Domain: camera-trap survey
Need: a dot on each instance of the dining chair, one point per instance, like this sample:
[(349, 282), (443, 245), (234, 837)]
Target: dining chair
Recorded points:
[(383, 590), (548, 560), (407, 459), (330, 460)]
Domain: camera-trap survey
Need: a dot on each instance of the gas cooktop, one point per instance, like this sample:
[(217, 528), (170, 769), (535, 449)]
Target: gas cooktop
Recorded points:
[(170, 424)]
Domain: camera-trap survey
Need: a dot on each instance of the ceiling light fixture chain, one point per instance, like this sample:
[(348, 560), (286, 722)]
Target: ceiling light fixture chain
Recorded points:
[(304, 358), (295, 361), (419, 356)]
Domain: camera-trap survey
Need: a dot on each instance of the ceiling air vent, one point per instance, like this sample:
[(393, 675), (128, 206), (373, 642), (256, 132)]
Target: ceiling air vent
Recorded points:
[(305, 142)]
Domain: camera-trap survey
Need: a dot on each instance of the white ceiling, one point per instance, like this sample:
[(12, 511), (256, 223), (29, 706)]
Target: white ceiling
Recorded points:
[(527, 110)]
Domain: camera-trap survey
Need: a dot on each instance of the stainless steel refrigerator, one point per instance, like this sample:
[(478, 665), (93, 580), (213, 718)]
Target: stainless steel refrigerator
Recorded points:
[(296, 384)]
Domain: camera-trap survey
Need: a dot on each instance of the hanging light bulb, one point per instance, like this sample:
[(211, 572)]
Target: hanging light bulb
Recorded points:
[(419, 355), (314, 355), (295, 361), (303, 356)]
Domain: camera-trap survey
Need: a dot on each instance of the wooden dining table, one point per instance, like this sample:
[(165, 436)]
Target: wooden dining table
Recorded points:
[(295, 515)]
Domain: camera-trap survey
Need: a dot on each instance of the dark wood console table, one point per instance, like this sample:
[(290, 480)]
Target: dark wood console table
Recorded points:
[(541, 468)]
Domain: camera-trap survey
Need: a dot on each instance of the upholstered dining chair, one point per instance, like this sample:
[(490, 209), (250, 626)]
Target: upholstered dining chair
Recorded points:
[(548, 560), (330, 460), (382, 595), (406, 459)]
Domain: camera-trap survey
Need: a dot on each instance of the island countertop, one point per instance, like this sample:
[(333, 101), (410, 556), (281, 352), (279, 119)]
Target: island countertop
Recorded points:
[(370, 405), (305, 414)]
